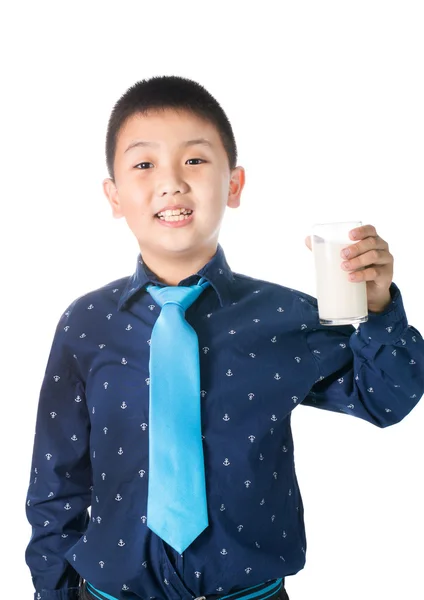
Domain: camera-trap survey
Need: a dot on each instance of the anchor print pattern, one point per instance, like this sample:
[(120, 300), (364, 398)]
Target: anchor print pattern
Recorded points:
[(262, 354)]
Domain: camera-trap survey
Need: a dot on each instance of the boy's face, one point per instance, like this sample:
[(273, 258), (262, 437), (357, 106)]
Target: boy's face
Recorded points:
[(164, 172)]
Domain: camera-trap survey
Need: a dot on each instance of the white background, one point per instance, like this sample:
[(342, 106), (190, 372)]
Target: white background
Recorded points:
[(326, 101)]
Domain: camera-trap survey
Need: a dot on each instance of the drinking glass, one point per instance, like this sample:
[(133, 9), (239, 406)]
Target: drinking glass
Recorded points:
[(340, 301)]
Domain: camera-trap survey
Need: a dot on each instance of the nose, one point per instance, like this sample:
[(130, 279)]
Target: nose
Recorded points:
[(171, 183)]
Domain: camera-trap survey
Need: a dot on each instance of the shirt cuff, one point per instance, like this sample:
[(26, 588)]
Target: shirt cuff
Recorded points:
[(63, 594), (388, 326)]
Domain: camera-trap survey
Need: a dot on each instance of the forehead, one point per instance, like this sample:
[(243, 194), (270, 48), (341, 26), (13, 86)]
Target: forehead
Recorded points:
[(167, 127)]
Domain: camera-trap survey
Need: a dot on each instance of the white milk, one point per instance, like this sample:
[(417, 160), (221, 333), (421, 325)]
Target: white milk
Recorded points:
[(338, 298)]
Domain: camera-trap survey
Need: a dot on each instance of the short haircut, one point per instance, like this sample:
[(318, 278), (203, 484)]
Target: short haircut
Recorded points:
[(168, 92)]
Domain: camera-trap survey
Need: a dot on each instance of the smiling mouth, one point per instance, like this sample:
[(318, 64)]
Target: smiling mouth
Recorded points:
[(174, 215)]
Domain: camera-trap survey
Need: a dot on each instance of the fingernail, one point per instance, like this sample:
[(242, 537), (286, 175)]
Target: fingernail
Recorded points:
[(346, 253)]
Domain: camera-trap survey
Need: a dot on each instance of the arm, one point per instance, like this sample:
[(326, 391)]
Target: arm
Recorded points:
[(375, 373), (59, 490)]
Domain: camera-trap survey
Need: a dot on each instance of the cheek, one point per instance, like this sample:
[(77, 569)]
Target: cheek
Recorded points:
[(214, 190), (134, 198), (137, 212), (210, 215)]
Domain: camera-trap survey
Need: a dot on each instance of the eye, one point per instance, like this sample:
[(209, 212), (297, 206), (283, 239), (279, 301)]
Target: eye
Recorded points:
[(143, 163), (198, 159)]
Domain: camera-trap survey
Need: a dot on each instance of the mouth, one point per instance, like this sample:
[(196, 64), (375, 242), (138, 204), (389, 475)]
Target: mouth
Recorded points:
[(174, 215)]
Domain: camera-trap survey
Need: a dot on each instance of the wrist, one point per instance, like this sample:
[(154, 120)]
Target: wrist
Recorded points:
[(382, 305)]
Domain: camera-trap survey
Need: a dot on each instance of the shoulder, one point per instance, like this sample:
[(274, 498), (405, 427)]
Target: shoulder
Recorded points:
[(246, 283), (104, 297)]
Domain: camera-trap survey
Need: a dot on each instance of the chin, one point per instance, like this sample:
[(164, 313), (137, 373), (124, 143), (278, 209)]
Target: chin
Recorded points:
[(187, 246), (177, 247)]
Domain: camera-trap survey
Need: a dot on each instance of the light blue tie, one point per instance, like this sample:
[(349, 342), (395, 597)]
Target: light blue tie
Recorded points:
[(176, 502)]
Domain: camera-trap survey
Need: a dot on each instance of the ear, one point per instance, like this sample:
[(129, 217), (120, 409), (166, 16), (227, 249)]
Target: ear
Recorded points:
[(111, 193), (308, 242), (237, 182)]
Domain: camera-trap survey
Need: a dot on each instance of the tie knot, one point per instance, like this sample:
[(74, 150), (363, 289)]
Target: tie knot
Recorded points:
[(181, 295)]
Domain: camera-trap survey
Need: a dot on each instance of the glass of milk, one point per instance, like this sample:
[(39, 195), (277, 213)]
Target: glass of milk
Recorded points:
[(340, 301)]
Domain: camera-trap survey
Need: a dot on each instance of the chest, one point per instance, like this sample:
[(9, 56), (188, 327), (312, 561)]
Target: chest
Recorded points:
[(251, 362)]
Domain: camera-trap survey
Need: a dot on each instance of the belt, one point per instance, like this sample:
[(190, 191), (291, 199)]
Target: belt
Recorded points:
[(269, 590)]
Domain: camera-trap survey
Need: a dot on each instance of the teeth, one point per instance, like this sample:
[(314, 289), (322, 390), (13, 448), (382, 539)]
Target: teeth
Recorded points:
[(175, 214), (175, 218)]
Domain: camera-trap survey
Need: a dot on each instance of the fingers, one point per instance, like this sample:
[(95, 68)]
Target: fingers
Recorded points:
[(376, 274), (371, 249), (373, 257), (369, 243), (362, 232), (369, 259)]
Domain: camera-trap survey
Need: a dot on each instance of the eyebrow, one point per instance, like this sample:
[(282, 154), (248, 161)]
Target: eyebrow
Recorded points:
[(198, 141)]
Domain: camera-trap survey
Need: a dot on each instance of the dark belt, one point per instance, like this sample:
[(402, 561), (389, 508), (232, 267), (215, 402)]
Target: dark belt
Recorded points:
[(269, 590)]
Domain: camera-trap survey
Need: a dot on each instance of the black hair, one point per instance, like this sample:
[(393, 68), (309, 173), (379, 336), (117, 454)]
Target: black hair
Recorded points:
[(164, 92)]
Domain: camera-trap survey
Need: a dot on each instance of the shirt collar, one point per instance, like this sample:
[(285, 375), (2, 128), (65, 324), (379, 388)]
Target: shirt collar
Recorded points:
[(216, 271)]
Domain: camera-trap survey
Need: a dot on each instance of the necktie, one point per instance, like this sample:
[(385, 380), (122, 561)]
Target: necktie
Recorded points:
[(176, 501)]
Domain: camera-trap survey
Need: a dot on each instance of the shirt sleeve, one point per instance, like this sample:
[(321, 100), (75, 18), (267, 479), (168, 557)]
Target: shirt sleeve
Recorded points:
[(375, 372), (59, 492)]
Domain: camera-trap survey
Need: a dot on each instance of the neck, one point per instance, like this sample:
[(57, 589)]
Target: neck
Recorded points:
[(170, 269)]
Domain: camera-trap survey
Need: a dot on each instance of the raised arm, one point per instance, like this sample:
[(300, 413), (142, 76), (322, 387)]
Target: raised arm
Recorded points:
[(375, 373)]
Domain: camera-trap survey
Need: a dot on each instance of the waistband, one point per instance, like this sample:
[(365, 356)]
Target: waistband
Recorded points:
[(263, 591)]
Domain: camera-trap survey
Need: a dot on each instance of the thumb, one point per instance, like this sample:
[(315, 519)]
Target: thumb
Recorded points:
[(308, 242)]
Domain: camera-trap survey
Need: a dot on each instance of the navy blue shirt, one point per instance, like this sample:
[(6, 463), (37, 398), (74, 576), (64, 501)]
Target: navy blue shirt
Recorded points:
[(263, 353)]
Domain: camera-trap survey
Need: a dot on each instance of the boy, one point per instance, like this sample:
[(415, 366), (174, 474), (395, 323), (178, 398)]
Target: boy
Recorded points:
[(171, 157)]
